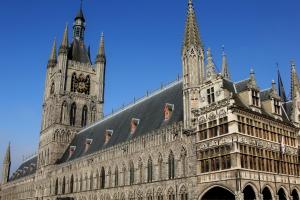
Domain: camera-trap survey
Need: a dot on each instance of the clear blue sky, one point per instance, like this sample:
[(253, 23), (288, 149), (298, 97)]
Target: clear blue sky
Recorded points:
[(143, 45)]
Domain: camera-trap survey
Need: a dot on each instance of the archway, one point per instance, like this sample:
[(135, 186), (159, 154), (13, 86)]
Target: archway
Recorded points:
[(267, 195), (218, 193), (249, 193), (295, 195), (281, 194)]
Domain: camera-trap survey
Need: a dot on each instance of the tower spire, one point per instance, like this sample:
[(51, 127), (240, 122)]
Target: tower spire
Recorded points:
[(6, 165), (191, 36), (101, 52), (79, 25), (225, 71), (210, 66), (65, 41), (281, 90), (294, 80), (53, 58)]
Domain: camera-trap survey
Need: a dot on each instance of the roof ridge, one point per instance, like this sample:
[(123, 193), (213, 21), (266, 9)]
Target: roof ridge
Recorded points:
[(266, 89), (130, 105), (241, 81)]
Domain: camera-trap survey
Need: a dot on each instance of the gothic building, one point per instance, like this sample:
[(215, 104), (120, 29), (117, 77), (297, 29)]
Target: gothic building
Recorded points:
[(202, 137)]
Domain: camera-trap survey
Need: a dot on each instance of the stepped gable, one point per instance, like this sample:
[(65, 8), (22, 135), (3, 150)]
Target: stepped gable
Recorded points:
[(150, 112)]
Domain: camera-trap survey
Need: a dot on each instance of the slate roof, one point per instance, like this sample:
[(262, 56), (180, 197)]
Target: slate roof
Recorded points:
[(150, 113), (27, 168), (265, 94), (242, 85), (78, 52)]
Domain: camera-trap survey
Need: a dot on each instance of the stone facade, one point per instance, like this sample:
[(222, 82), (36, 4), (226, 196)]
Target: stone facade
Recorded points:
[(231, 140)]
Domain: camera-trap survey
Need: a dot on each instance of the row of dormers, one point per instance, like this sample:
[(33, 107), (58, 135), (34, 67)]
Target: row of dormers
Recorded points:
[(168, 110)]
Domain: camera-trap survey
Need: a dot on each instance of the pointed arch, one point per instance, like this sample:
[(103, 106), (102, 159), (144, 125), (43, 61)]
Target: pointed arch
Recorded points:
[(160, 166), (71, 184), (139, 195), (171, 194), (131, 173), (149, 195), (56, 187), (73, 114), (73, 82), (267, 194), (116, 176), (183, 193), (63, 112), (140, 165), (171, 165), (150, 170), (63, 187), (183, 155), (84, 116), (295, 194), (52, 89), (217, 192), (91, 181), (102, 178), (249, 193), (159, 194), (282, 194), (93, 114)]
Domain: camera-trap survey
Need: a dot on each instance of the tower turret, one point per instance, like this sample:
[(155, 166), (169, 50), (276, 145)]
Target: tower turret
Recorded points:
[(210, 66), (225, 70), (79, 25), (193, 65), (6, 165)]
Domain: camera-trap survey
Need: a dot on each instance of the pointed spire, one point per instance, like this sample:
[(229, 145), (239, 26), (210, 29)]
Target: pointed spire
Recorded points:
[(210, 66), (191, 36), (101, 52), (65, 40), (80, 13), (281, 90), (7, 158), (294, 80), (53, 57), (225, 71)]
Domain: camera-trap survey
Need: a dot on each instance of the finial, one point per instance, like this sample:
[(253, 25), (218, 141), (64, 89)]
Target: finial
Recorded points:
[(190, 2), (53, 51), (252, 71), (81, 4), (101, 52), (208, 52), (223, 50)]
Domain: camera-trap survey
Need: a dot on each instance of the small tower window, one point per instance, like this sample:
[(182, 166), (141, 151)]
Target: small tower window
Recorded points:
[(84, 116), (52, 89), (277, 106), (73, 114), (134, 124), (108, 135), (211, 95), (168, 110), (255, 98)]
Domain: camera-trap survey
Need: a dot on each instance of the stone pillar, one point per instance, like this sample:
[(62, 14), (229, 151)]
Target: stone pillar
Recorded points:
[(239, 196)]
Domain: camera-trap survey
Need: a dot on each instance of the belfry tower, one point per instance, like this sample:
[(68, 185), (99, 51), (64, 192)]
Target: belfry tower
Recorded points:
[(193, 65), (74, 92)]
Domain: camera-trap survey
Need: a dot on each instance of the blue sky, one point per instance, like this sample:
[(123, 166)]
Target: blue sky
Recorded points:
[(143, 45)]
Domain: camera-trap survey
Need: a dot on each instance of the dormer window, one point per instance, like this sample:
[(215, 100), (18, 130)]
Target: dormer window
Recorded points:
[(211, 95), (134, 124), (277, 107), (168, 110), (108, 134), (72, 150), (255, 98), (88, 143)]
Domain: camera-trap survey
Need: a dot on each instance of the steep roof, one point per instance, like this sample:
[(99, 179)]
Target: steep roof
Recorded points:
[(78, 52), (26, 168), (150, 113)]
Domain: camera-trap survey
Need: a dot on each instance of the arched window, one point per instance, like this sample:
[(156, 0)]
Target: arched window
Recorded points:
[(150, 170), (72, 184), (63, 112), (109, 177), (52, 89), (91, 181), (56, 187), (102, 178), (63, 187), (84, 116), (131, 173), (160, 161), (73, 114), (149, 195), (140, 170), (171, 165), (183, 161), (73, 82), (171, 194), (87, 82), (160, 195), (183, 194), (116, 176)]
